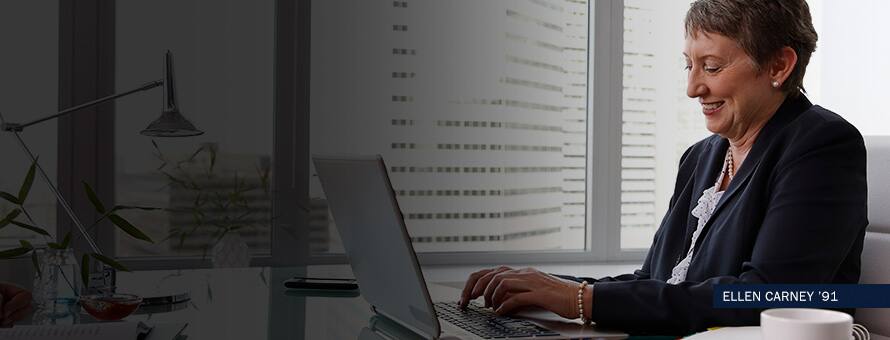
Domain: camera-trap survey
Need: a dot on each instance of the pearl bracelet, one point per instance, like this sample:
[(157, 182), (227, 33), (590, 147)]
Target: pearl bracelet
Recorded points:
[(581, 302)]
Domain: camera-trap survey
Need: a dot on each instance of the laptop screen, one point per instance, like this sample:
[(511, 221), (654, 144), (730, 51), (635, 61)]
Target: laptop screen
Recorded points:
[(373, 232)]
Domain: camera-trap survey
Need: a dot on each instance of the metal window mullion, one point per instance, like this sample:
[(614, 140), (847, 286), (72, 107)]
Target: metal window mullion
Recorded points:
[(607, 83), (290, 227), (86, 139)]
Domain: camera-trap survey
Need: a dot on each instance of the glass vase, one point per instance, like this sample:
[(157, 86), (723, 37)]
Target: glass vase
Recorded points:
[(56, 285), (231, 252)]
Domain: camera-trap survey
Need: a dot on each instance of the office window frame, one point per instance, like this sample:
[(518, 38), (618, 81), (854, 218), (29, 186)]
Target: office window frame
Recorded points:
[(290, 242)]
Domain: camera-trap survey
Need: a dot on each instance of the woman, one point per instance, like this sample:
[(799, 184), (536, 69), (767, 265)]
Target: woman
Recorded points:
[(776, 195)]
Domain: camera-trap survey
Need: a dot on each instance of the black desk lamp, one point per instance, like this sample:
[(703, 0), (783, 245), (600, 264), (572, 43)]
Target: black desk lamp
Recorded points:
[(171, 123)]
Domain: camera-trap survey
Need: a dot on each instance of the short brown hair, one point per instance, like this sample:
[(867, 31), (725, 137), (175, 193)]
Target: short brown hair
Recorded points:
[(761, 28)]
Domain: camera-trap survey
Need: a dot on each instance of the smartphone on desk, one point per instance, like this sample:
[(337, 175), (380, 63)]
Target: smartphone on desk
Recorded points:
[(317, 283)]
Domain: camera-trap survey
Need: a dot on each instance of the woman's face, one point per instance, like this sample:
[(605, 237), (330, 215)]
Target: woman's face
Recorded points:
[(734, 95)]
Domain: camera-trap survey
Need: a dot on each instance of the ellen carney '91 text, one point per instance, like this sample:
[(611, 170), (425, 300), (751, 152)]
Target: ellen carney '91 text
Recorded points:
[(780, 296)]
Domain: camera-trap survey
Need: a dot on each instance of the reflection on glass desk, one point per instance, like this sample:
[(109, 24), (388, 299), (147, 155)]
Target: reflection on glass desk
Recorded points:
[(252, 303), (240, 303)]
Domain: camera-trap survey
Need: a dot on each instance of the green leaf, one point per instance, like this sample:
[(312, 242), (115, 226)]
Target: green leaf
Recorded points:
[(26, 184), (9, 217), (175, 180), (15, 252), (182, 237), (110, 262), (93, 198), (219, 235), (159, 155), (85, 269), (194, 154), (67, 240), (9, 197), (129, 228), (212, 158), (54, 245), (31, 228), (36, 264), (25, 211), (170, 235), (192, 184), (132, 207), (264, 178), (235, 182), (26, 244)]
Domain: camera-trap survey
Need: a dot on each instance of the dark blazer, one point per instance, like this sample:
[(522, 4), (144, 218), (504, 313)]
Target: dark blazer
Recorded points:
[(794, 213)]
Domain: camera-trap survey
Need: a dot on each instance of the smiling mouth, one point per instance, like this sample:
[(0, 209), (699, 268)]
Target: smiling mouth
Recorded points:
[(711, 108)]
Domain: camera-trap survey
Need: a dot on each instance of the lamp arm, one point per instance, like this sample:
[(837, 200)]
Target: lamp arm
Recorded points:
[(17, 128), (14, 127)]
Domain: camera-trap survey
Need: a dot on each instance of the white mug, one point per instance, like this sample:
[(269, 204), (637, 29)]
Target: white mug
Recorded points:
[(805, 324)]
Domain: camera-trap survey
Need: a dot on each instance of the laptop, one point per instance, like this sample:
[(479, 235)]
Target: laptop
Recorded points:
[(372, 228)]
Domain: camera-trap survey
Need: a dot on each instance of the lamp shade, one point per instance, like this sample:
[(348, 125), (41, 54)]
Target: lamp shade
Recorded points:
[(171, 123)]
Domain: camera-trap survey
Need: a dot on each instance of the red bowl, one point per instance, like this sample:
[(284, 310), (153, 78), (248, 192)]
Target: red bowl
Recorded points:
[(110, 307)]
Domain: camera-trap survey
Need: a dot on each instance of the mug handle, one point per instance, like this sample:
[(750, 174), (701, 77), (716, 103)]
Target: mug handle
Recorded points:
[(860, 333)]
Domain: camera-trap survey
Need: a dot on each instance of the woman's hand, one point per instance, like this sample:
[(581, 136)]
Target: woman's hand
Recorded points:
[(506, 290), (477, 282), (15, 304)]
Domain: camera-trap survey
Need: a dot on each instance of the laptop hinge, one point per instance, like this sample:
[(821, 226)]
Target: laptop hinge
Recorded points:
[(393, 327)]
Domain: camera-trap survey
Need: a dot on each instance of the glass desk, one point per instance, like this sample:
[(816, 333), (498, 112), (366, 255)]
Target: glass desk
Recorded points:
[(252, 303)]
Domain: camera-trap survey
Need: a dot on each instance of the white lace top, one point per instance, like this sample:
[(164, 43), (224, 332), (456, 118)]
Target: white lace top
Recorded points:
[(703, 211)]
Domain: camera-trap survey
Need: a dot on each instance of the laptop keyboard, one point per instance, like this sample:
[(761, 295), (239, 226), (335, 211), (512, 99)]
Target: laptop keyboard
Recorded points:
[(488, 325)]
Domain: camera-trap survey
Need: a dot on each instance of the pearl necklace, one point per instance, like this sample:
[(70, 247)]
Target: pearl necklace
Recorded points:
[(730, 171)]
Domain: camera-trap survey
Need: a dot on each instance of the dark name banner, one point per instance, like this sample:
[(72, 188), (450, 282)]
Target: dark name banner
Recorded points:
[(802, 295)]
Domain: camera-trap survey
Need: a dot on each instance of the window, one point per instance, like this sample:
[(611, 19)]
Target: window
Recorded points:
[(480, 109), (29, 83), (847, 71), (219, 181)]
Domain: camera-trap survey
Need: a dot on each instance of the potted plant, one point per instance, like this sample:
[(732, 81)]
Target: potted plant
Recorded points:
[(48, 259), (217, 204)]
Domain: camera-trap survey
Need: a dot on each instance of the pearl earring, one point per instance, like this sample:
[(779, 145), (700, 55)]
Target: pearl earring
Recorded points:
[(776, 83)]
